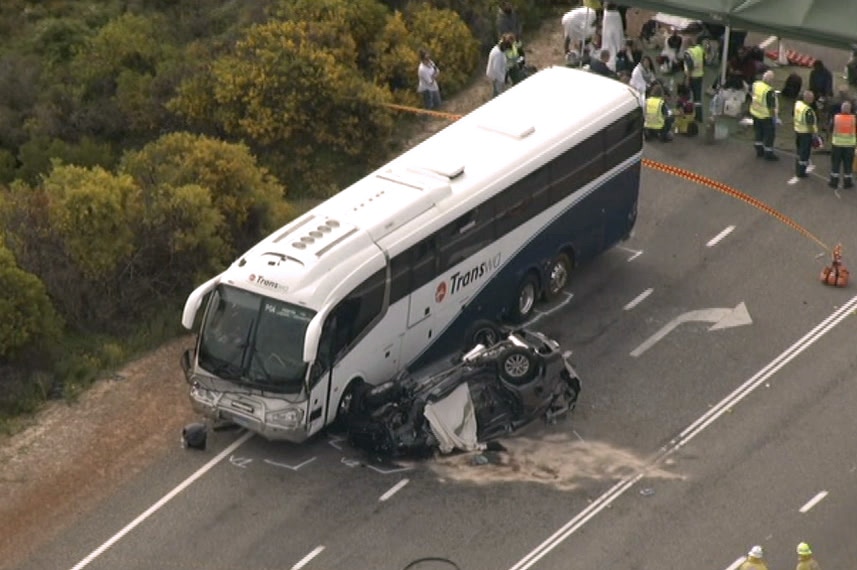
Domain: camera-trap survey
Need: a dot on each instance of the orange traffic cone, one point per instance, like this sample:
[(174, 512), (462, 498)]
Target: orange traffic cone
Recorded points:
[(836, 275)]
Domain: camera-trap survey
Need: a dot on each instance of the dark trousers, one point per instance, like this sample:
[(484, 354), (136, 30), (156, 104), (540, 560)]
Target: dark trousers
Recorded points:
[(841, 157), (764, 136), (696, 90), (665, 132), (803, 143)]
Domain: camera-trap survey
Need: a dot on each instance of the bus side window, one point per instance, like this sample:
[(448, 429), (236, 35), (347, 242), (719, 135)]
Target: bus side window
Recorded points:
[(465, 236), (577, 167), (423, 259), (353, 315), (400, 276), (623, 139)]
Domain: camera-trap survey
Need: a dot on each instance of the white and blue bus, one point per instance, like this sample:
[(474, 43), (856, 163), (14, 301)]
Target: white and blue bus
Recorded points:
[(477, 223)]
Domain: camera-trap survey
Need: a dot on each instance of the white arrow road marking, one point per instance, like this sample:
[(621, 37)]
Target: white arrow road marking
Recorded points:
[(292, 467), (722, 318), (335, 441)]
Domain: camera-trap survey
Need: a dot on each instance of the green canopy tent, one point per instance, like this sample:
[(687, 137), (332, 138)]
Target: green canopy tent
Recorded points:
[(826, 22)]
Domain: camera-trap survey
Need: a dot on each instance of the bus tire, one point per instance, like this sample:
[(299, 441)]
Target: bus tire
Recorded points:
[(557, 277), (350, 403), (525, 299), (517, 365), (484, 332)]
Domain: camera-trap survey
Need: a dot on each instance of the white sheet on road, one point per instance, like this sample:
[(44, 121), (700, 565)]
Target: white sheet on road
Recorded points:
[(453, 421)]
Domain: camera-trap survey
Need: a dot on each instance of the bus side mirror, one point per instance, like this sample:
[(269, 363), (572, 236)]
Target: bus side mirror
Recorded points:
[(187, 363)]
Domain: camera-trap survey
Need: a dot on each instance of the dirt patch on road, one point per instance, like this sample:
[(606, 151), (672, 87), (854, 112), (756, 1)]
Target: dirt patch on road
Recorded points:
[(73, 455)]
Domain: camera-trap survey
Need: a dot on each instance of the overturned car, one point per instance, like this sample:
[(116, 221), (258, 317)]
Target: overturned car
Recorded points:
[(489, 392)]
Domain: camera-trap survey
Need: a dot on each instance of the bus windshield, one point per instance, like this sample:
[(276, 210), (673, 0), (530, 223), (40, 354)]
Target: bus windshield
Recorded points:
[(254, 340)]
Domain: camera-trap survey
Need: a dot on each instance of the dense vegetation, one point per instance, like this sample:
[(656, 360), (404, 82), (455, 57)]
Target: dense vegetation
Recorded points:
[(144, 143)]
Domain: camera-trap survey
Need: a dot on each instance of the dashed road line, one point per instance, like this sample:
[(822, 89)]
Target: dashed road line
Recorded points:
[(813, 501), (716, 239), (306, 559), (638, 299), (394, 489)]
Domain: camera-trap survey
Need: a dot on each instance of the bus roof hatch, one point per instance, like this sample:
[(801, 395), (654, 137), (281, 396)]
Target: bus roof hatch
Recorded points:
[(510, 128)]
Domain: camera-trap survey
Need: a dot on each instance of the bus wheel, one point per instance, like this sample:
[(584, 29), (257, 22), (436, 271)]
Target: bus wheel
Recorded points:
[(484, 332), (558, 276), (350, 402), (525, 300), (518, 365)]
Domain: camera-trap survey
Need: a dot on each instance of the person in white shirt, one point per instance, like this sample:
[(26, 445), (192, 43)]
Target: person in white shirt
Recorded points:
[(427, 74), (578, 25), (496, 68), (643, 76), (612, 33)]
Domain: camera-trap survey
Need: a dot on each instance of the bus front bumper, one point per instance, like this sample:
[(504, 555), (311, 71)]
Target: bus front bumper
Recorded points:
[(255, 414)]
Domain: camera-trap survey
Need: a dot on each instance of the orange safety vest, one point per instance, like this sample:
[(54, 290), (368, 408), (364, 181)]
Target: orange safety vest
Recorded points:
[(844, 130)]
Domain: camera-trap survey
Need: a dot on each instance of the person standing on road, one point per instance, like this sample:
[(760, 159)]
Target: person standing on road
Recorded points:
[(754, 560), (612, 33), (694, 72), (806, 127), (496, 69), (658, 119), (427, 75), (805, 561), (763, 109), (842, 143)]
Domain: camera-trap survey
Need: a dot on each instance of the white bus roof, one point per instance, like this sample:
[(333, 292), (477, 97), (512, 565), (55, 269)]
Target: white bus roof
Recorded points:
[(306, 261)]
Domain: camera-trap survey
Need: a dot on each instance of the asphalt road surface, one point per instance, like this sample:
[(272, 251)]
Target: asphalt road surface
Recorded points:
[(701, 431)]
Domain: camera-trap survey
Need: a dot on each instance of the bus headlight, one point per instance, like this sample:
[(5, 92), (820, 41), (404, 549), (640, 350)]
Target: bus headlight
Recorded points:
[(288, 418), (203, 396)]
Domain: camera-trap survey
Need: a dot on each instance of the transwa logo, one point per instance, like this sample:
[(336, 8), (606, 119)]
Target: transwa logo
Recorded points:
[(440, 292), (262, 281), (461, 280)]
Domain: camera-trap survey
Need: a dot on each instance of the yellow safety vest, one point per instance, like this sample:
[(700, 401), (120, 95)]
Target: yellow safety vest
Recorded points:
[(844, 130), (654, 118), (801, 109), (759, 105), (697, 54)]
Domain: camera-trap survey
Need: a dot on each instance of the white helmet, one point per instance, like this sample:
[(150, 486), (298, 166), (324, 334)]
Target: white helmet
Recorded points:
[(756, 552)]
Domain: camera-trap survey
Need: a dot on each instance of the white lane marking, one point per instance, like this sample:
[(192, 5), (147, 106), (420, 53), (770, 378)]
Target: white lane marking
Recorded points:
[(292, 467), (163, 501), (638, 299), (394, 489), (768, 41), (793, 180), (813, 501), (713, 241), (737, 563), (687, 435), (306, 559), (388, 471), (637, 253)]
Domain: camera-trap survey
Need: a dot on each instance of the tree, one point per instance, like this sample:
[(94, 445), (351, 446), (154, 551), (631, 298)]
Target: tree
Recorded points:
[(27, 317), (249, 200), (294, 86)]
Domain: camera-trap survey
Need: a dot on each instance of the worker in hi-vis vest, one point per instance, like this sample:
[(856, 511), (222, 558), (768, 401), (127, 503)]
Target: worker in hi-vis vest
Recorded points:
[(763, 109), (842, 143), (806, 127)]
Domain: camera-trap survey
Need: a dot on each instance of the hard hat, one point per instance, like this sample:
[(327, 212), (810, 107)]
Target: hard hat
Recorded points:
[(803, 549), (756, 552)]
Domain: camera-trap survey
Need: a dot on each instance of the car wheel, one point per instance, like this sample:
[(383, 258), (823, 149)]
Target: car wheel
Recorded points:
[(558, 276), (525, 300), (484, 332), (518, 365)]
